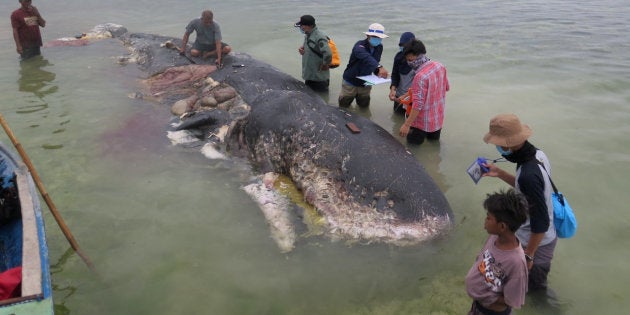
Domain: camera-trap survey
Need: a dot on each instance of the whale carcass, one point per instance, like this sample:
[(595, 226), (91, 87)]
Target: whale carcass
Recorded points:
[(365, 186)]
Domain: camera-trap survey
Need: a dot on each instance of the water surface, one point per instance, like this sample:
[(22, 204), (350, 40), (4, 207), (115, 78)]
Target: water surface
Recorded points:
[(171, 232)]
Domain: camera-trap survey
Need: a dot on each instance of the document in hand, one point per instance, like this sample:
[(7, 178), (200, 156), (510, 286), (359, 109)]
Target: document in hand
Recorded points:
[(373, 79)]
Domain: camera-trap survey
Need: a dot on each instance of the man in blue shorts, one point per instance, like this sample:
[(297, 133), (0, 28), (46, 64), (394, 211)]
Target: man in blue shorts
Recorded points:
[(208, 38)]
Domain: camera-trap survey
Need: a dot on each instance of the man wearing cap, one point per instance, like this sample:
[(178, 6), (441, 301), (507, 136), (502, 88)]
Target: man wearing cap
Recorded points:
[(537, 235), (364, 60), (208, 42), (402, 74), (317, 55), (26, 22)]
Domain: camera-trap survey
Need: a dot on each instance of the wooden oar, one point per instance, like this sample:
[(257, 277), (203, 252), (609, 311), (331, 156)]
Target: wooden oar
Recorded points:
[(42, 191)]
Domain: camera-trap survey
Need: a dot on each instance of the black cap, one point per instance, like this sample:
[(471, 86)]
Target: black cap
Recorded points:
[(307, 20)]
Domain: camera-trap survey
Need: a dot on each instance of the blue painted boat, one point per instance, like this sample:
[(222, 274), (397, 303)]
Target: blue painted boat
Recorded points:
[(23, 239)]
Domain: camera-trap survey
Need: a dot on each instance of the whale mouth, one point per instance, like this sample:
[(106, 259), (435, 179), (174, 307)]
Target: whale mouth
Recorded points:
[(278, 197)]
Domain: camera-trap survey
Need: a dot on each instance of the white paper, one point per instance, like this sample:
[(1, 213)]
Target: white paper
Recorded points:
[(373, 79)]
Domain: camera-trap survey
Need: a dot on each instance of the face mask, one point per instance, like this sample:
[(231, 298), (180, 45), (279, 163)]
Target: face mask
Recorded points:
[(375, 41), (301, 30), (419, 61), (503, 152)]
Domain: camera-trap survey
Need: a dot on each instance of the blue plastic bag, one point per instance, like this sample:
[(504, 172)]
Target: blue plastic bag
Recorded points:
[(563, 217)]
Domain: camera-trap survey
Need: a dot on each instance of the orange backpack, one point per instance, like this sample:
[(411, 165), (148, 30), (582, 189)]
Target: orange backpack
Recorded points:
[(336, 61)]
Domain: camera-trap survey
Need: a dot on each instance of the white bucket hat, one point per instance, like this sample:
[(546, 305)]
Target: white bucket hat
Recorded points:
[(377, 30)]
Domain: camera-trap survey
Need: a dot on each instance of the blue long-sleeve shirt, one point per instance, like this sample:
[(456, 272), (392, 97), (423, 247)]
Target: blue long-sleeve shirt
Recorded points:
[(364, 60)]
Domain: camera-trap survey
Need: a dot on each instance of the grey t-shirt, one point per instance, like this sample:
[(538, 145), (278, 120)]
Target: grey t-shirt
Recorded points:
[(498, 272), (206, 34)]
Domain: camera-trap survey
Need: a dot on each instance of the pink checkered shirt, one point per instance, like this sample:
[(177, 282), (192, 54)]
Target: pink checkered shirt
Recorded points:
[(428, 92)]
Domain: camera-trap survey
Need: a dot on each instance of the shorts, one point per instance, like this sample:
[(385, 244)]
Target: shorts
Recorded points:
[(477, 309), (207, 47), (30, 52)]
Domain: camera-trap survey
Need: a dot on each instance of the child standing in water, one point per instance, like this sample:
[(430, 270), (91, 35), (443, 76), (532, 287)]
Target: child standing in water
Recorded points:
[(497, 281)]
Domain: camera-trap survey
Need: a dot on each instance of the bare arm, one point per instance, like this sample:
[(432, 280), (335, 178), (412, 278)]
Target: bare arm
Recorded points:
[(16, 37), (217, 44), (532, 246), (184, 43), (495, 171), (404, 129), (40, 19), (382, 73), (392, 93)]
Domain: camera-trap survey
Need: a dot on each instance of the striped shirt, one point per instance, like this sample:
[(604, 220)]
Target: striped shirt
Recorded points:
[(428, 92)]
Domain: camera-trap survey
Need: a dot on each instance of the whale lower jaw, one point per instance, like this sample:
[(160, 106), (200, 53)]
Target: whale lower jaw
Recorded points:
[(345, 218)]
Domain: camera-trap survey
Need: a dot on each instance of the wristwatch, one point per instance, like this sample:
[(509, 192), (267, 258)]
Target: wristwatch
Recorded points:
[(529, 258)]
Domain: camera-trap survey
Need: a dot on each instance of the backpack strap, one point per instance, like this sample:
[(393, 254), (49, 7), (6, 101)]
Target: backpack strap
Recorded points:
[(320, 55), (550, 180)]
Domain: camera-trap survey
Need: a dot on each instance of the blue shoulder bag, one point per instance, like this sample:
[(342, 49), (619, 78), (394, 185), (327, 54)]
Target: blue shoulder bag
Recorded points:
[(563, 217)]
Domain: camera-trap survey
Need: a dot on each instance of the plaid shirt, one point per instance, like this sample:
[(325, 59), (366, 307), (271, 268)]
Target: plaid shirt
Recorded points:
[(428, 92)]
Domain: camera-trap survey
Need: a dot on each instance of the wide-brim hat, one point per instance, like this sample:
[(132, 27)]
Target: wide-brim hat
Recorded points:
[(377, 30), (506, 130)]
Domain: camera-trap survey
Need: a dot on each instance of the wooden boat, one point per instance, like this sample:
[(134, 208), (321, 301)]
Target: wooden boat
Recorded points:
[(23, 240)]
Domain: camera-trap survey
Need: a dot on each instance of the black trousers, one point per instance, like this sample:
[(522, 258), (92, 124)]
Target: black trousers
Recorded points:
[(417, 136), (319, 86)]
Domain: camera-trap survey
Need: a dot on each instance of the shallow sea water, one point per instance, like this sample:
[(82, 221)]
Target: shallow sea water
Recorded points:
[(172, 232)]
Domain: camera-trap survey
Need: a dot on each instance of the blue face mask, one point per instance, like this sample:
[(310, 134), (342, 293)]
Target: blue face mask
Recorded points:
[(503, 152), (301, 30), (375, 41)]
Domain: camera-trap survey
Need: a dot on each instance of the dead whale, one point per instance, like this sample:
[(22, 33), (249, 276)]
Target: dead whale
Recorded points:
[(365, 186)]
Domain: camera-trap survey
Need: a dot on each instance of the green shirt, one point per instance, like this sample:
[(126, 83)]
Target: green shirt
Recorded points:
[(311, 62)]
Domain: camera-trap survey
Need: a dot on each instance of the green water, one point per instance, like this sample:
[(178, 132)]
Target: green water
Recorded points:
[(171, 232)]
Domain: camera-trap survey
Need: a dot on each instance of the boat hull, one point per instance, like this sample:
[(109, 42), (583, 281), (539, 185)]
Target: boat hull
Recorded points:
[(23, 243)]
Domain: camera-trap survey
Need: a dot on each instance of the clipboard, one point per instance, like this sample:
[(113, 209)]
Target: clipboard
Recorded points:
[(373, 79)]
